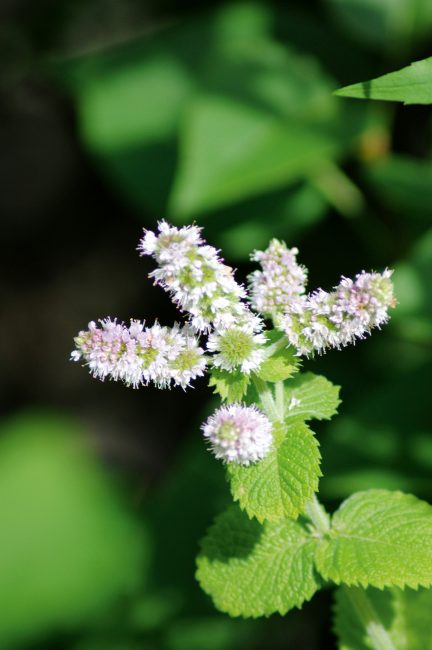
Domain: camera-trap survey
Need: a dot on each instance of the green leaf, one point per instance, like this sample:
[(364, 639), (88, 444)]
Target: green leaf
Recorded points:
[(281, 365), (280, 484), (405, 614), (254, 570), (404, 183), (230, 386), (389, 25), (310, 396), (410, 85), (379, 538), (70, 547), (260, 152)]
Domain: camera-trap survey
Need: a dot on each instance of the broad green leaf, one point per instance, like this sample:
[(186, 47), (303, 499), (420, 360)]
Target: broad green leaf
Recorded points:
[(379, 538), (231, 150), (310, 396), (410, 85), (405, 614), (230, 386), (70, 547), (280, 484), (281, 365), (255, 570)]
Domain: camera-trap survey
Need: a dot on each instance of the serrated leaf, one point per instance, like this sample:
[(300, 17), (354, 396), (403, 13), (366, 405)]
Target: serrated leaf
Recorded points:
[(310, 396), (281, 365), (255, 570), (281, 484), (410, 85), (231, 386), (405, 614), (380, 539)]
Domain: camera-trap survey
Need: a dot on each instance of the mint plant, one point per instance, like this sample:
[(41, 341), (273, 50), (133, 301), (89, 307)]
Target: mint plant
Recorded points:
[(276, 546)]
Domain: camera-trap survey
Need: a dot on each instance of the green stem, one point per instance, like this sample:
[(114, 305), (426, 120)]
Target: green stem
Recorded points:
[(375, 630), (318, 516), (339, 190), (280, 399), (266, 398)]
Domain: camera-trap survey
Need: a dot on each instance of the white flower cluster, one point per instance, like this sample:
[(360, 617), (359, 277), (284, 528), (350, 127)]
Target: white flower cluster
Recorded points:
[(280, 280), (238, 434), (195, 277), (139, 355), (332, 320), (201, 285)]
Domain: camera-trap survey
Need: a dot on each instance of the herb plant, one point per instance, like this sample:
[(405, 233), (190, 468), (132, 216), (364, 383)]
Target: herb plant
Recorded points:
[(275, 546)]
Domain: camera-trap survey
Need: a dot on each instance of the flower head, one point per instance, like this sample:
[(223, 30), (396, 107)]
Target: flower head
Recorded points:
[(238, 347), (194, 275), (323, 320), (238, 434), (280, 280), (139, 355)]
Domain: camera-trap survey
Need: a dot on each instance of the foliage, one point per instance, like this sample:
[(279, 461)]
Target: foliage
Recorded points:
[(157, 101), (411, 85)]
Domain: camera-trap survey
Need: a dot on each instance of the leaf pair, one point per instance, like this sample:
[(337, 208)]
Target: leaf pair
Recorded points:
[(378, 538)]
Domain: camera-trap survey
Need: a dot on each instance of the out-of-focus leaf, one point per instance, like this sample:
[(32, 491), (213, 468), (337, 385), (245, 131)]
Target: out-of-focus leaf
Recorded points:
[(379, 22), (403, 183), (241, 228), (277, 126), (69, 546), (410, 85), (405, 614), (370, 447), (211, 633), (412, 279), (246, 97)]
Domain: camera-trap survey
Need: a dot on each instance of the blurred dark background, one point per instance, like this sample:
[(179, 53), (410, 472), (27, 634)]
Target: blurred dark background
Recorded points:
[(112, 116)]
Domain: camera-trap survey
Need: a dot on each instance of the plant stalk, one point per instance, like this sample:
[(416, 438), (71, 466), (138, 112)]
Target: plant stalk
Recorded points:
[(318, 516), (267, 400), (376, 632)]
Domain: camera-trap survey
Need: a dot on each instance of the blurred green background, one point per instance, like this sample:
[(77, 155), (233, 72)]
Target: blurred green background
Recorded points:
[(113, 115)]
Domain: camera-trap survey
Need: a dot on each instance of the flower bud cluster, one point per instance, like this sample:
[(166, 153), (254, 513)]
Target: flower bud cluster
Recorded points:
[(281, 279), (332, 320), (238, 434), (139, 355), (196, 278)]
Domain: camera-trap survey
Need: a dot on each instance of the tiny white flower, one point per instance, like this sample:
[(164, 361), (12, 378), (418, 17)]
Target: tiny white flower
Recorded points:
[(294, 402), (238, 434)]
